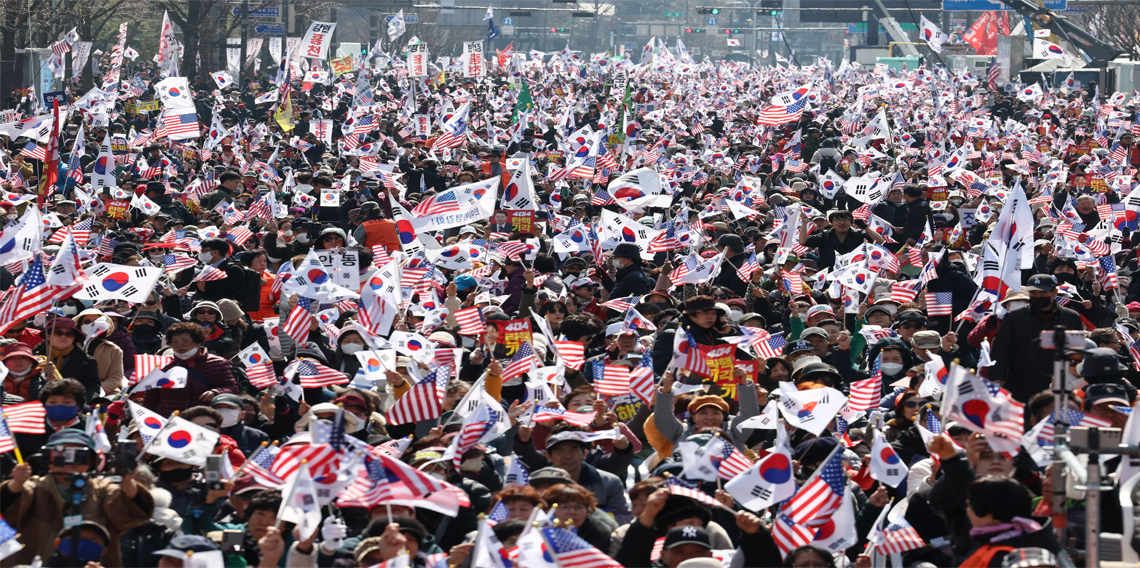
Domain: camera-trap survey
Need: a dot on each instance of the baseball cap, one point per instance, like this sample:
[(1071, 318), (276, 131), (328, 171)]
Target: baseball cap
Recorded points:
[(820, 309), (797, 346), (814, 331), (1101, 393), (1041, 283), (687, 535), (926, 339)]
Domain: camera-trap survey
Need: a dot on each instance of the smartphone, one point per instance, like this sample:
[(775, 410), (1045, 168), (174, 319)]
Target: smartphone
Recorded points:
[(231, 540), (214, 472), (1073, 339)]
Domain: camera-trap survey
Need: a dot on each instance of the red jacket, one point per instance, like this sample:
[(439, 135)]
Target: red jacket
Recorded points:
[(206, 372)]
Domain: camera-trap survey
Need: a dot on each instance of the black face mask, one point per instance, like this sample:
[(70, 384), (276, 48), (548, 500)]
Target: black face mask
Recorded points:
[(177, 475), (1067, 278), (1040, 303), (144, 329)]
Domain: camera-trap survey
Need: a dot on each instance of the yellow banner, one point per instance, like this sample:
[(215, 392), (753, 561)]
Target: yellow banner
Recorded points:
[(284, 114), (341, 66)]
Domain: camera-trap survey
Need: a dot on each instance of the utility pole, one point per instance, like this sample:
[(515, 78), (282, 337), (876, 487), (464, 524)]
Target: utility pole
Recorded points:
[(243, 73)]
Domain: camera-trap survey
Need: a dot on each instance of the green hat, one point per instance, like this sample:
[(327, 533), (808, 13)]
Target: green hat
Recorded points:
[(71, 436)]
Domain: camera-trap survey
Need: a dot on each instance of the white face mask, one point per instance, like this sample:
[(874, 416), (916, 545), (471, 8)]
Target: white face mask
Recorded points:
[(1016, 304), (187, 355), (206, 257), (288, 233), (891, 368), (303, 238), (354, 429), (86, 329), (230, 416), (351, 348)]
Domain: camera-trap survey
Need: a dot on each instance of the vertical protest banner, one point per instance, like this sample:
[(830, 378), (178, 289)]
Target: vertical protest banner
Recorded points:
[(473, 63), (317, 40), (417, 60)]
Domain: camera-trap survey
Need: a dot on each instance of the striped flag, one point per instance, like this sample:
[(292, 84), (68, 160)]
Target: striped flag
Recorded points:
[(898, 537), (939, 303), (315, 375), (731, 462), (906, 291), (209, 274), (573, 353), (297, 325), (687, 354), (521, 363), (744, 273), (642, 379), (144, 364), (424, 401), (1072, 418), (322, 460), (439, 203), (867, 393), (25, 418), (179, 124), (612, 380), (549, 414), (177, 262), (821, 496), (570, 551), (261, 375), (7, 441), (30, 296), (471, 321), (34, 151), (81, 231), (678, 486)]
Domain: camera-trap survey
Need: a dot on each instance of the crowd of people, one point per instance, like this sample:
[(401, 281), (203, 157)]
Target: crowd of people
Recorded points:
[(709, 314)]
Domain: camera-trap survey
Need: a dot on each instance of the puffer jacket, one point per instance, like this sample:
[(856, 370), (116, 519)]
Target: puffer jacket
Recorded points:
[(206, 372)]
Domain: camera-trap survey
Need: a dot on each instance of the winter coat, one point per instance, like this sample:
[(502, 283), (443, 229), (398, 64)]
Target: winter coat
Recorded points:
[(607, 488), (76, 365), (206, 372), (728, 277), (140, 544), (755, 550), (1016, 351), (675, 431), (109, 358), (631, 281), (37, 512), (248, 438)]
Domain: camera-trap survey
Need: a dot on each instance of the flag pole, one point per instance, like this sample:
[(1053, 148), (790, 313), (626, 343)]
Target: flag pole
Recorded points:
[(250, 459)]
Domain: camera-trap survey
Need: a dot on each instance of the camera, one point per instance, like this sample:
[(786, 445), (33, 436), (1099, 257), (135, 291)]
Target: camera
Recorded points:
[(124, 459), (214, 472)]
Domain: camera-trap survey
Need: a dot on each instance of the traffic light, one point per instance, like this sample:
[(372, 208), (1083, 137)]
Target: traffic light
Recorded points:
[(715, 11), (694, 31), (735, 31), (727, 31), (775, 12), (704, 10)]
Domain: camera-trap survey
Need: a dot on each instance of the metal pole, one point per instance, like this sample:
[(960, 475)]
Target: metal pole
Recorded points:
[(1092, 503), (1059, 434), (243, 73)]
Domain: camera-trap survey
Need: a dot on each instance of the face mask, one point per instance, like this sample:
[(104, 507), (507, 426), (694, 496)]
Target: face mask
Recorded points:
[(354, 429), (206, 257), (230, 416), (61, 412), (1017, 304), (156, 259), (1067, 277), (21, 374), (891, 368), (303, 239), (86, 329), (145, 329), (85, 550), (288, 233), (957, 202), (351, 348), (187, 355), (70, 311), (1040, 303), (177, 475)]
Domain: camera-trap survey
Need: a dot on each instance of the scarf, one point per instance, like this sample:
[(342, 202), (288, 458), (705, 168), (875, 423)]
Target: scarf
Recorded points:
[(59, 354), (1005, 531)]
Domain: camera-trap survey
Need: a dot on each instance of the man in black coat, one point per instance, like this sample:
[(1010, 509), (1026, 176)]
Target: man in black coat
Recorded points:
[(733, 247), (215, 252), (1019, 364), (630, 279), (919, 214)]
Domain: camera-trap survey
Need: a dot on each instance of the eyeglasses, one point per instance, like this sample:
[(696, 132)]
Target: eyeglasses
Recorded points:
[(912, 325), (911, 404), (720, 296), (14, 331), (558, 310), (151, 303)]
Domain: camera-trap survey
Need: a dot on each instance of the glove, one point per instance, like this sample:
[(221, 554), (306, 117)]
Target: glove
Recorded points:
[(115, 412), (333, 532)]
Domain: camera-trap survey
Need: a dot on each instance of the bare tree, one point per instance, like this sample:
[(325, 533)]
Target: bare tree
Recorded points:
[(1117, 25)]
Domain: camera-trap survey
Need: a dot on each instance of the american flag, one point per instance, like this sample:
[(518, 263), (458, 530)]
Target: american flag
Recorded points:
[(239, 235), (471, 432), (570, 551), (549, 414), (7, 442), (471, 321), (517, 474), (601, 198), (732, 462), (573, 353), (81, 231), (210, 274), (765, 344), (26, 418), (498, 514), (993, 74), (899, 537), (939, 303), (907, 291), (1108, 279), (691, 264), (297, 325), (744, 273), (642, 380), (796, 166), (34, 151), (611, 380), (514, 249), (322, 460), (867, 393), (424, 401), (1072, 418), (315, 375), (678, 486), (668, 241), (261, 375), (777, 115), (367, 490), (793, 283), (521, 363), (622, 304), (176, 262), (933, 423), (819, 498), (261, 465), (175, 123), (445, 202), (107, 246), (790, 535), (691, 358), (31, 296), (60, 47), (144, 364)]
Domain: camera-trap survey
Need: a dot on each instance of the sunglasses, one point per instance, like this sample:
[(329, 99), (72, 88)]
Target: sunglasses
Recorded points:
[(912, 325), (151, 303), (720, 296), (14, 331), (556, 310), (911, 404)]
